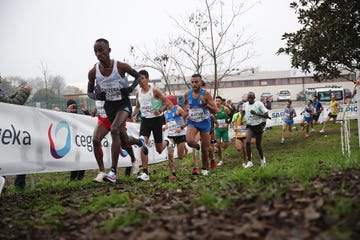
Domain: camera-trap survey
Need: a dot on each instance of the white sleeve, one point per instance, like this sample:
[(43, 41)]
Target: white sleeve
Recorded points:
[(263, 108)]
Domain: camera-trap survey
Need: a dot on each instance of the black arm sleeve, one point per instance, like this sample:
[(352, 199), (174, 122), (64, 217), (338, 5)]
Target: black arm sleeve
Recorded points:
[(136, 81), (95, 94), (90, 91)]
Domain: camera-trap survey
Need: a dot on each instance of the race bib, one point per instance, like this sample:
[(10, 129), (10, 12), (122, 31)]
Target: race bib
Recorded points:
[(172, 126), (196, 114), (112, 90), (146, 109), (306, 114), (221, 122), (242, 130)]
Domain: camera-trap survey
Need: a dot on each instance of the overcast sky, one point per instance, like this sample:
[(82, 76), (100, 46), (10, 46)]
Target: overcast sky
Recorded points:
[(61, 33)]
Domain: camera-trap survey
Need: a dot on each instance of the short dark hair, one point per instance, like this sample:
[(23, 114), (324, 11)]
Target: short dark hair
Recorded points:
[(103, 40), (289, 101), (219, 98), (251, 94), (144, 72), (196, 75)]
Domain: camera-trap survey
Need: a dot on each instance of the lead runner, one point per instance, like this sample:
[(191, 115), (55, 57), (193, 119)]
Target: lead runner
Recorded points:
[(107, 82)]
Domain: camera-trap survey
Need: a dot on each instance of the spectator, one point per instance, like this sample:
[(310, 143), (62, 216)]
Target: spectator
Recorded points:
[(268, 102), (72, 108), (19, 98)]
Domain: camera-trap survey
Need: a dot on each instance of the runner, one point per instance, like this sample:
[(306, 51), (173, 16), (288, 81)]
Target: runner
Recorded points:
[(239, 126), (221, 132), (152, 103), (318, 108), (199, 103), (334, 107), (307, 113), (175, 124), (112, 87), (214, 124), (255, 112), (102, 128), (288, 119)]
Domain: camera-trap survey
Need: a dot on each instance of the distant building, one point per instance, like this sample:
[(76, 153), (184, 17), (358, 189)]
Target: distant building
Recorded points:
[(235, 86)]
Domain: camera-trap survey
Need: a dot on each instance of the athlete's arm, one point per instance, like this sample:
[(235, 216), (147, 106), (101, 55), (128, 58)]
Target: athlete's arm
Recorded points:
[(93, 93), (132, 72), (91, 83), (185, 106), (180, 111), (294, 113), (216, 124), (210, 104)]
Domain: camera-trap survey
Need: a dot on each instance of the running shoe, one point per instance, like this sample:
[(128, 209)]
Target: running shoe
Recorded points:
[(143, 177), (2, 183), (244, 165), (263, 162), (143, 145), (220, 163), (123, 153), (312, 130), (172, 177), (322, 131), (110, 177), (100, 177), (135, 167), (205, 172), (307, 135), (213, 164), (282, 141), (249, 164), (195, 171)]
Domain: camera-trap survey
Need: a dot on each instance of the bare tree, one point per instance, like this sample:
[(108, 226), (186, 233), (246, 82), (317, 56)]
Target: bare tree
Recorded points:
[(57, 84), (211, 33), (160, 60), (44, 71)]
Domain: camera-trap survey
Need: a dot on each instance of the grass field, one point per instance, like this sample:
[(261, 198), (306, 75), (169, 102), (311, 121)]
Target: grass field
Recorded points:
[(308, 190)]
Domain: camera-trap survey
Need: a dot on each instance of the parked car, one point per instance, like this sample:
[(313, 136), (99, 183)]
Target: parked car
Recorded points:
[(284, 95), (264, 95), (348, 93), (300, 96)]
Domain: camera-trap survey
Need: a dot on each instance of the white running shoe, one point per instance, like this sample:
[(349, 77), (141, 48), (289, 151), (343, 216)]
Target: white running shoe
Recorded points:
[(263, 162), (220, 163), (205, 172), (135, 167), (100, 177), (249, 164), (322, 131), (110, 177), (2, 183), (143, 177), (244, 165)]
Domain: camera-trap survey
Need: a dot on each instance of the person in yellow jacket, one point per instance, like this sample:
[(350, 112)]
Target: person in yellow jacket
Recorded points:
[(334, 108), (240, 132)]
